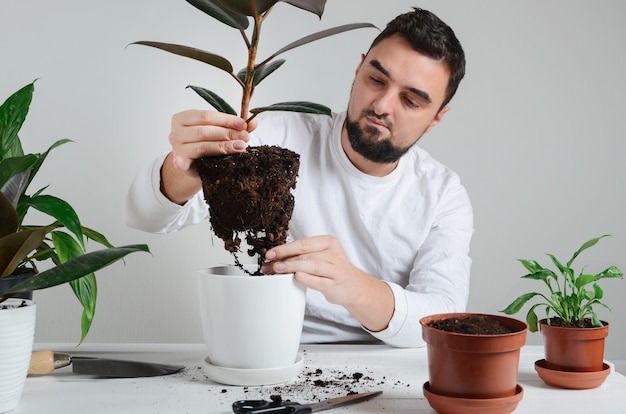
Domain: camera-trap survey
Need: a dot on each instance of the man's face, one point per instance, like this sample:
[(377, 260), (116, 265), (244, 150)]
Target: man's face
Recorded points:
[(396, 97)]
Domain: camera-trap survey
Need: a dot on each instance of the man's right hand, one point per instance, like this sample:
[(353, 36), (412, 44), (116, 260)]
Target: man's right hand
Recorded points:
[(196, 134)]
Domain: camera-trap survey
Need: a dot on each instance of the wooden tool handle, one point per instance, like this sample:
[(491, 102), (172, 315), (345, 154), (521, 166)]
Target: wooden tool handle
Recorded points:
[(44, 362)]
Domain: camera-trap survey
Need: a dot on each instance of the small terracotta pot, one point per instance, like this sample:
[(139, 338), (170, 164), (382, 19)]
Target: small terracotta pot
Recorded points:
[(473, 366), (574, 349)]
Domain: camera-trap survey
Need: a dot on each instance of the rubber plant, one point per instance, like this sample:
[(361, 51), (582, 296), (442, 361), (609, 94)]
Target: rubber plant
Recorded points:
[(268, 204), (61, 243), (568, 296)]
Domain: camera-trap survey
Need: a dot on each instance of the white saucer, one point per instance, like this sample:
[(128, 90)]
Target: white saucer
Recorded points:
[(263, 376)]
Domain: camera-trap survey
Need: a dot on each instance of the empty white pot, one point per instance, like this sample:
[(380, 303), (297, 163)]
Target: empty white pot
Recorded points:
[(250, 322)]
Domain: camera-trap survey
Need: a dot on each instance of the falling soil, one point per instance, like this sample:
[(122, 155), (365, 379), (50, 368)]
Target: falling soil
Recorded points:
[(473, 325), (249, 197)]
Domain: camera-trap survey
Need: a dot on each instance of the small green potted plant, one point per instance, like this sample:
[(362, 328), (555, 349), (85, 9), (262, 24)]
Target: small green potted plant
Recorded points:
[(249, 194), (574, 337)]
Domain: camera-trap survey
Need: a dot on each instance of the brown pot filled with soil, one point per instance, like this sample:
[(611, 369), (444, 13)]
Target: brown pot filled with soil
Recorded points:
[(474, 356), (249, 197), (573, 349)]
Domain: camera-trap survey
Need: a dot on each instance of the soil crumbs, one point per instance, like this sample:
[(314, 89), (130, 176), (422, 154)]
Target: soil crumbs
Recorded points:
[(313, 384), (477, 325)]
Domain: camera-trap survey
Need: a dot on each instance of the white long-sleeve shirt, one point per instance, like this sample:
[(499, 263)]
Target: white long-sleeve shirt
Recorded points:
[(411, 228)]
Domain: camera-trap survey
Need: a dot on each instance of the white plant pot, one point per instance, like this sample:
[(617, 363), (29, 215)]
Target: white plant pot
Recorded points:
[(251, 323), (17, 332)]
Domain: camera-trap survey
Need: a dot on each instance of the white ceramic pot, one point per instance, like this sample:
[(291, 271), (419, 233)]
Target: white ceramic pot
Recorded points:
[(250, 322), (17, 332)]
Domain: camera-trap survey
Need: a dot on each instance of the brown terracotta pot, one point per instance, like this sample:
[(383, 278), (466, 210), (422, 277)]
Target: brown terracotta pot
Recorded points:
[(473, 366), (574, 349)]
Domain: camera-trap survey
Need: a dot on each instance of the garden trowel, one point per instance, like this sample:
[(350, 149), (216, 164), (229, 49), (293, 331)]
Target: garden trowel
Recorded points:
[(45, 362)]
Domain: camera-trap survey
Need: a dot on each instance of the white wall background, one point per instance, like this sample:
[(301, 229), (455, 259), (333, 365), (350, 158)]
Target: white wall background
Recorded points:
[(536, 132)]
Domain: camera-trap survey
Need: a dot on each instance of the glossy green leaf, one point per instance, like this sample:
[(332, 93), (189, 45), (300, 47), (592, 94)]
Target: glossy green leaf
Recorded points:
[(610, 272), (215, 9), (585, 279), (42, 157), (542, 274), (192, 53), (81, 266), (532, 320), (584, 247), (96, 236), (214, 100), (531, 265), (321, 35), (12, 116), (85, 289), (518, 303), (60, 210), (14, 174), (295, 106)]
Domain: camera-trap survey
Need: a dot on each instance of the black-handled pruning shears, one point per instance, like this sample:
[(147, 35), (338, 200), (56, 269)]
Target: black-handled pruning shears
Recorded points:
[(289, 407)]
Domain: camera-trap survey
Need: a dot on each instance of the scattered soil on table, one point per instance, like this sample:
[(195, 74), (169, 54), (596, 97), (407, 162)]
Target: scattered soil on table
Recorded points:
[(583, 323), (313, 384), (5, 306), (473, 325), (249, 197)]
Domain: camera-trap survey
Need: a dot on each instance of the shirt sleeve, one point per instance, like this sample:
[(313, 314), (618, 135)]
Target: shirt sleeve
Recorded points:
[(149, 210), (440, 278)]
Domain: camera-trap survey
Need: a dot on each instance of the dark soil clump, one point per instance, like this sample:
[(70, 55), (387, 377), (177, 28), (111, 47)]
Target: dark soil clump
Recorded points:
[(473, 325), (583, 323), (249, 197)]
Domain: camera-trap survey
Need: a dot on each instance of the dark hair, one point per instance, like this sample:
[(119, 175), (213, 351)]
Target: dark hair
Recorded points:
[(430, 36)]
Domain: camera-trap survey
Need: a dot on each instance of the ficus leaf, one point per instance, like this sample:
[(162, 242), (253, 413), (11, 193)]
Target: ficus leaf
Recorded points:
[(295, 106), (246, 7), (261, 71), (215, 9), (313, 6), (214, 100), (192, 53), (320, 35)]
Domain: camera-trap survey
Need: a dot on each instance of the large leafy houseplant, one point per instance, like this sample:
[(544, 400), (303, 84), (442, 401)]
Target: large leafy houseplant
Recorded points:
[(237, 187), (567, 296), (63, 241)]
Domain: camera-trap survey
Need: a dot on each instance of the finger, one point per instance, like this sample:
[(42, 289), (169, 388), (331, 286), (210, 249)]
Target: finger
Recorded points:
[(298, 248), (196, 117)]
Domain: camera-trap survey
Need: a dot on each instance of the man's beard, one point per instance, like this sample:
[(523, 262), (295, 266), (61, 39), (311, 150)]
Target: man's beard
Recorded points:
[(365, 141)]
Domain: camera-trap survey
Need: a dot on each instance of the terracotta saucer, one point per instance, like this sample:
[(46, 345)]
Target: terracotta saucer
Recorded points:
[(453, 405), (571, 380)]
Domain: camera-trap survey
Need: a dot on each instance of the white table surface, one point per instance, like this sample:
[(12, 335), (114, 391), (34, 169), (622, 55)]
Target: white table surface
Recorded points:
[(399, 373)]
